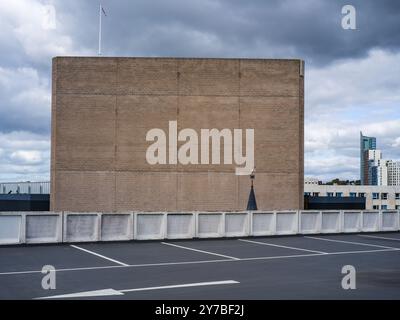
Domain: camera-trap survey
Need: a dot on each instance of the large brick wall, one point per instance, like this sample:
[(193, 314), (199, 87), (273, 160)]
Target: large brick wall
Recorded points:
[(102, 109)]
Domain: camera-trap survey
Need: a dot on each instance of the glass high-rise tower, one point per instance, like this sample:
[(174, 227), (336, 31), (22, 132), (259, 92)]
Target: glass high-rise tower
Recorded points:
[(366, 143)]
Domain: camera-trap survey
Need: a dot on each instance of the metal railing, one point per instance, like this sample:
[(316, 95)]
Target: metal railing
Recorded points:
[(55, 227)]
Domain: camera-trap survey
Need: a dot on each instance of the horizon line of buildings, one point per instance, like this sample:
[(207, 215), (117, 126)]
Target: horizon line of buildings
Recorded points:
[(377, 197)]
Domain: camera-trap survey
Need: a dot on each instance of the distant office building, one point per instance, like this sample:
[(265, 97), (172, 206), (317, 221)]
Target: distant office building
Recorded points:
[(376, 197), (366, 144), (386, 173), (380, 173), (374, 170), (393, 173), (372, 159)]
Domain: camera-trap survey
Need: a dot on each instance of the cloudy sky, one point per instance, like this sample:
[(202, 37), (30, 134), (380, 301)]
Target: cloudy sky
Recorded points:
[(352, 76)]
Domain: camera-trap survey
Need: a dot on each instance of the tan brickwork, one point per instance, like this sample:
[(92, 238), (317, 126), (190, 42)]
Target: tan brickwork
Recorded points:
[(102, 109)]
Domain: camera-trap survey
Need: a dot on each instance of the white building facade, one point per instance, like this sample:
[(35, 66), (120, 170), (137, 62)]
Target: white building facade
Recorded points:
[(377, 197), (382, 173), (393, 173)]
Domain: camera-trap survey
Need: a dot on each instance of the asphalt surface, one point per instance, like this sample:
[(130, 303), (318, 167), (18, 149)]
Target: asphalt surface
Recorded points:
[(290, 267)]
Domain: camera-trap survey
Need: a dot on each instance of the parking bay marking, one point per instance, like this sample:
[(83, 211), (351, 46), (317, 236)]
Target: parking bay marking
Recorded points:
[(202, 251), (352, 242), (99, 255), (280, 246), (376, 237)]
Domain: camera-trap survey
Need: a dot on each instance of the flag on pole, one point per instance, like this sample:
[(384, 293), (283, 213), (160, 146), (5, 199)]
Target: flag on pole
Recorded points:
[(101, 11)]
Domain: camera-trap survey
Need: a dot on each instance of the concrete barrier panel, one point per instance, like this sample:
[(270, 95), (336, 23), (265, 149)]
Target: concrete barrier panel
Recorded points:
[(180, 226), (352, 221), (263, 223), (236, 224), (210, 225), (287, 222), (11, 228), (81, 227), (43, 227), (331, 222), (310, 222), (370, 221), (390, 220), (150, 226), (116, 226)]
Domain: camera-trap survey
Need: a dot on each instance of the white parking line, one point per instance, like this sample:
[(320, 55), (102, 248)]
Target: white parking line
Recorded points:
[(279, 246), (319, 254), (163, 264), (99, 255), (376, 237), (202, 251), (113, 292), (197, 284), (351, 242)]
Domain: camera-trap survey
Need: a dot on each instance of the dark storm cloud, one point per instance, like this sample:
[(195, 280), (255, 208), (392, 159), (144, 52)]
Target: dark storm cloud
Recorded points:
[(308, 29)]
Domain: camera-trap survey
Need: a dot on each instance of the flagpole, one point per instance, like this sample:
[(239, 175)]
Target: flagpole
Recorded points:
[(100, 30)]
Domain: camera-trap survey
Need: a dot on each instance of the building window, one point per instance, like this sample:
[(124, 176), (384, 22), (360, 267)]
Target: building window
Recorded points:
[(384, 196), (384, 207), (397, 196), (397, 207), (316, 194), (353, 194), (375, 195), (361, 194), (375, 207), (339, 194), (329, 194), (307, 193)]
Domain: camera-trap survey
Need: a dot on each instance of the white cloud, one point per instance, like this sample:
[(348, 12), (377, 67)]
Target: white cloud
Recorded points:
[(332, 148), (345, 134), (396, 143), (23, 140), (364, 83), (24, 156), (26, 99), (29, 23)]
